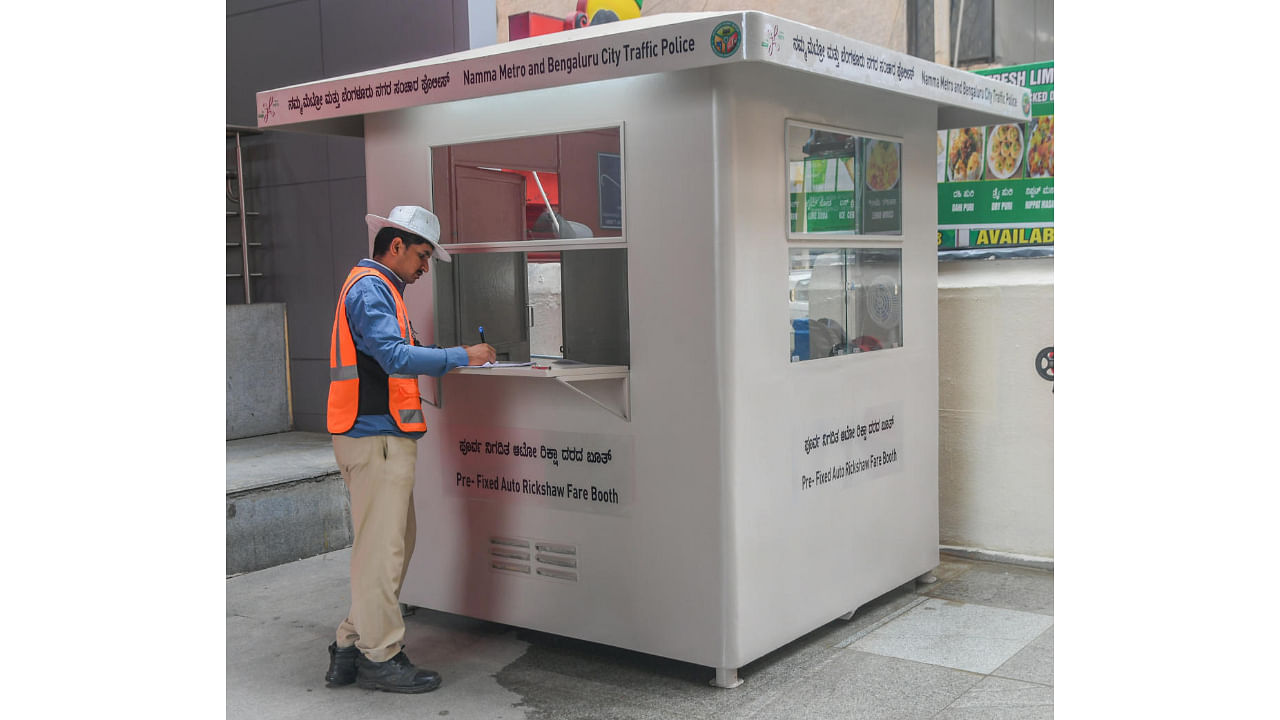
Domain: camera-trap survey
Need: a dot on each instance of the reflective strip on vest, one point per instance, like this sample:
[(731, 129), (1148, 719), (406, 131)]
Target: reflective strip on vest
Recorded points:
[(411, 416)]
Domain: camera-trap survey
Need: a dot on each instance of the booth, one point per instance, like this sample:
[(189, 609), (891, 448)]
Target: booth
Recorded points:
[(704, 246)]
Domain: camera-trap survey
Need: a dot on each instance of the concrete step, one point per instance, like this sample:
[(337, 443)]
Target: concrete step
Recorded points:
[(285, 500)]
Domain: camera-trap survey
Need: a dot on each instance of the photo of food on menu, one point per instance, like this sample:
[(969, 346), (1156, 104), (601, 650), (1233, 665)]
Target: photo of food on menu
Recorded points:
[(964, 154), (1040, 147), (998, 152)]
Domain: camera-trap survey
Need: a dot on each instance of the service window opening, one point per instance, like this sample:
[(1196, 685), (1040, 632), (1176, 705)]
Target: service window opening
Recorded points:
[(516, 214)]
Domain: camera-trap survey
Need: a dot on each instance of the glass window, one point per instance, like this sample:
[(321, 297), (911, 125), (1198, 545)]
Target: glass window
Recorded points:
[(563, 186), (844, 301), (843, 184)]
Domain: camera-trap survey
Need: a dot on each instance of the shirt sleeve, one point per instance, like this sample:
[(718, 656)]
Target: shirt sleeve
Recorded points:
[(371, 313)]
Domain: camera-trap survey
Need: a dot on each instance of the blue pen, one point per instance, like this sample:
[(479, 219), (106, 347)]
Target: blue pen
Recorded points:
[(482, 333)]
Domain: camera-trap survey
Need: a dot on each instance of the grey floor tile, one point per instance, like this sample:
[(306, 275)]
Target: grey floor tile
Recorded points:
[(1004, 586), (1034, 663), (876, 613), (565, 678), (1000, 699), (862, 685), (957, 635), (950, 566), (286, 673)]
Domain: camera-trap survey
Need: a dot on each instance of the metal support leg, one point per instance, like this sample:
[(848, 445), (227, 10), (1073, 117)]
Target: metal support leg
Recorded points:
[(726, 678), (847, 616)]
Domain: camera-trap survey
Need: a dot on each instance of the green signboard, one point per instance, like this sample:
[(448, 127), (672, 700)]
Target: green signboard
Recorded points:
[(995, 183)]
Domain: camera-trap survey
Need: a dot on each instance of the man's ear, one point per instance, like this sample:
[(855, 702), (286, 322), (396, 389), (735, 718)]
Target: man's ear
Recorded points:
[(395, 240)]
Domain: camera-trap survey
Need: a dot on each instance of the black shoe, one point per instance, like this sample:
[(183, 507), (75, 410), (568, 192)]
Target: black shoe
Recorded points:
[(395, 675), (342, 665)]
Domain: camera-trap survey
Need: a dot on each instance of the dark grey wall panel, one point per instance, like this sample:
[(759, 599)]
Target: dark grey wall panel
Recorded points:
[(350, 233), (346, 157), (285, 158), (974, 33), (299, 262), (396, 31), (920, 28), (1024, 31), (310, 391), (1044, 30), (235, 7), (267, 49)]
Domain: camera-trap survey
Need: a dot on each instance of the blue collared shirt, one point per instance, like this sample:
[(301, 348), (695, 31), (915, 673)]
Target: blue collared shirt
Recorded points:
[(371, 313)]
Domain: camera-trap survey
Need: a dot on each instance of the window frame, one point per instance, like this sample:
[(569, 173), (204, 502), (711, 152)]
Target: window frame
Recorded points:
[(837, 237)]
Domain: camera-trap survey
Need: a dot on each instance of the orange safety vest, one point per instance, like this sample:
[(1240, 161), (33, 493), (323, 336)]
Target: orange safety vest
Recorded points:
[(344, 380)]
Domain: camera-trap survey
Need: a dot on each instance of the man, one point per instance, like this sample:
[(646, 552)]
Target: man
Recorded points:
[(375, 416)]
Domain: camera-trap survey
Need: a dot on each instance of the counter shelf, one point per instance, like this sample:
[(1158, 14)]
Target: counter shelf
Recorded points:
[(605, 385)]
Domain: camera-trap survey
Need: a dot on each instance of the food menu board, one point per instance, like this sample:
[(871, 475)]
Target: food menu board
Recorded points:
[(840, 183), (995, 183), (825, 186), (882, 197)]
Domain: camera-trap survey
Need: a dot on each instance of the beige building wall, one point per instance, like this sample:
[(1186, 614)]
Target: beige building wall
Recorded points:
[(995, 429), (882, 22)]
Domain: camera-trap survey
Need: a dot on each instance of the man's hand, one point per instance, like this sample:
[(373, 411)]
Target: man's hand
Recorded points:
[(480, 354)]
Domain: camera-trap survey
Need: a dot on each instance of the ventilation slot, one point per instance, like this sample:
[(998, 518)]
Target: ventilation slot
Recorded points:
[(541, 558), (556, 560), (507, 554)]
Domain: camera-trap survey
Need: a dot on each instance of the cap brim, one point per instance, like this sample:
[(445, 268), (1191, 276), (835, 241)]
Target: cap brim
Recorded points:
[(377, 223)]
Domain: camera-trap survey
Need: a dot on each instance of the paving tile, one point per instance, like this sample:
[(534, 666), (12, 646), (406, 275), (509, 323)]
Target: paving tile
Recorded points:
[(1034, 663), (976, 638), (950, 566), (1001, 699), (1005, 586), (863, 685), (562, 677)]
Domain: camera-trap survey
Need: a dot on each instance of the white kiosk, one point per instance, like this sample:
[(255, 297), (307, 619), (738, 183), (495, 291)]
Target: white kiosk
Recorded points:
[(727, 433)]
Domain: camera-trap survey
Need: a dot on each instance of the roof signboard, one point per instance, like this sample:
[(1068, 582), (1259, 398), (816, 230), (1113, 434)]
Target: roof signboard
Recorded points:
[(658, 43)]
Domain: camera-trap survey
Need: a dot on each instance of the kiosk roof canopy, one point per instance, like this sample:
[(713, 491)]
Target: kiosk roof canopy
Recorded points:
[(653, 44)]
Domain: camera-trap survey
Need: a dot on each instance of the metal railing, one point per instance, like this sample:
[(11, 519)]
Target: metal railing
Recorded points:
[(241, 213)]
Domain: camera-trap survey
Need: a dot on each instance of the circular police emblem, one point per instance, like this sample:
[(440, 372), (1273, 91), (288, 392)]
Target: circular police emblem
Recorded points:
[(726, 38)]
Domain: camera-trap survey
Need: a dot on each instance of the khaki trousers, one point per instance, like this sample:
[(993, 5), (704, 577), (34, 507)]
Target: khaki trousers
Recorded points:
[(379, 474)]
